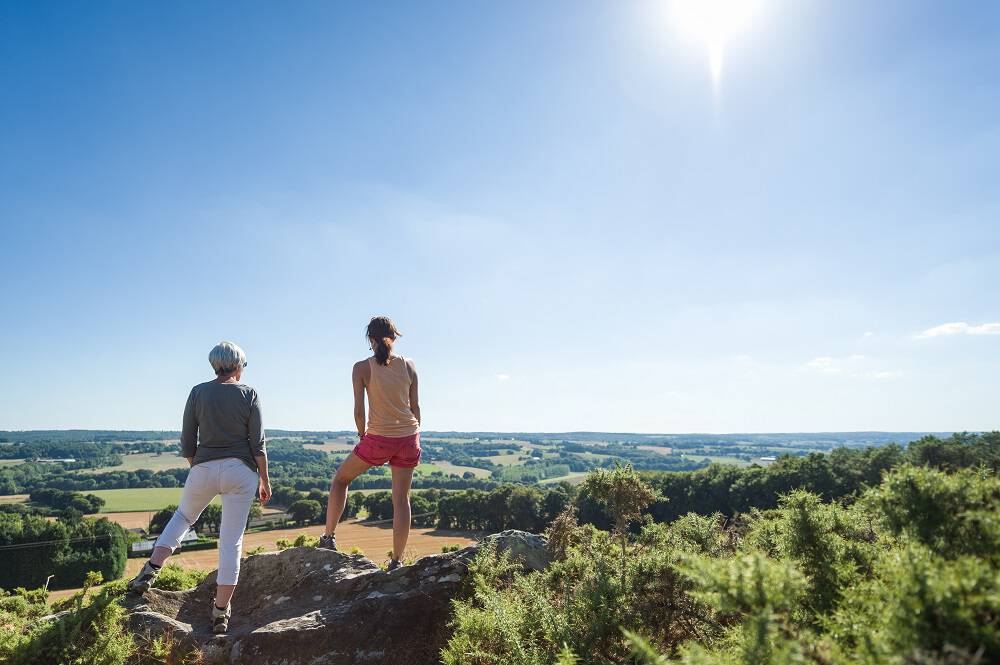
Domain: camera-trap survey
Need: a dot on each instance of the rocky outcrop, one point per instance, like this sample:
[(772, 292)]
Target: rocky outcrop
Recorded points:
[(318, 607)]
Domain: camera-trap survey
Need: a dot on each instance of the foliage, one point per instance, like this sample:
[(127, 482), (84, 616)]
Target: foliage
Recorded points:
[(506, 507), (843, 473), (908, 573), (302, 540), (176, 578), (90, 632), (65, 549), (84, 503), (576, 608), (305, 511)]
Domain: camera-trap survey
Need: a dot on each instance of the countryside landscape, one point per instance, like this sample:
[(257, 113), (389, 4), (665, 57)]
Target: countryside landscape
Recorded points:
[(77, 504), (576, 332)]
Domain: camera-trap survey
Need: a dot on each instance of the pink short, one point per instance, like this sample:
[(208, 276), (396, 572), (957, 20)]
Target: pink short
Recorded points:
[(402, 451)]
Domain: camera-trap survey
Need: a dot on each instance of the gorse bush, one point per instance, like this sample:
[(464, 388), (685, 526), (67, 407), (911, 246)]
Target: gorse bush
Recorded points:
[(175, 578), (908, 573), (599, 583), (90, 632), (302, 540), (86, 628)]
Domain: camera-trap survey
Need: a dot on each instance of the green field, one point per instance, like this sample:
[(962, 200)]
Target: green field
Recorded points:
[(573, 478), (146, 498), (427, 468), (151, 461), (717, 459), (510, 459), (448, 467), (333, 446), (11, 462)]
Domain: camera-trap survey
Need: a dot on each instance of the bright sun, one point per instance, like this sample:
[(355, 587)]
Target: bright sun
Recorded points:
[(714, 22)]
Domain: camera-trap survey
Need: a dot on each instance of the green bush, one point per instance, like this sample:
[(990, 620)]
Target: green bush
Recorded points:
[(91, 631), (599, 583), (907, 574), (175, 578), (302, 540), (66, 549)]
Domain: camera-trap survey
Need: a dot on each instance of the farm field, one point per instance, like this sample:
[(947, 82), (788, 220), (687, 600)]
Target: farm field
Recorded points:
[(14, 498), (573, 478), (140, 499), (663, 450), (147, 499), (139, 519), (717, 459), (335, 446), (448, 467), (375, 541), (11, 462), (151, 461), (510, 459)]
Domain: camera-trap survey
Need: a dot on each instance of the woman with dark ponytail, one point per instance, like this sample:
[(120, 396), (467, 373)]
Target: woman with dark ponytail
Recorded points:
[(390, 433)]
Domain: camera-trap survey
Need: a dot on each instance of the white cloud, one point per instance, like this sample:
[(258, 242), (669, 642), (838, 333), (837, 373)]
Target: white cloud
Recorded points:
[(825, 365), (856, 366), (503, 377), (960, 328), (868, 333)]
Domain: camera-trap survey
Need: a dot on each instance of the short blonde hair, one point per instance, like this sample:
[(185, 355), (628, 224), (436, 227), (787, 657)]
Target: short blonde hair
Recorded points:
[(226, 358)]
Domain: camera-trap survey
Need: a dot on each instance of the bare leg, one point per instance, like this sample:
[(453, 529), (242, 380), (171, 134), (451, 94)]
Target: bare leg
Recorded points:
[(223, 594), (160, 555), (402, 478), (351, 468)]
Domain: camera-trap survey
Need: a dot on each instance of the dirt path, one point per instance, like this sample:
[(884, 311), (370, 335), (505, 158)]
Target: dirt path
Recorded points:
[(374, 541)]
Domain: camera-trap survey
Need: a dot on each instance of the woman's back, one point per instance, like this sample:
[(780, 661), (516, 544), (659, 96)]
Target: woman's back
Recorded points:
[(222, 420), (388, 389)]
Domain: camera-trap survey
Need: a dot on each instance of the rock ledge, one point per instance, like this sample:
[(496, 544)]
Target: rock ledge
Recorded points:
[(318, 607)]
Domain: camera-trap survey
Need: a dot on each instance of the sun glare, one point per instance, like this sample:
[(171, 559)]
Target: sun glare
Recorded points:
[(714, 22)]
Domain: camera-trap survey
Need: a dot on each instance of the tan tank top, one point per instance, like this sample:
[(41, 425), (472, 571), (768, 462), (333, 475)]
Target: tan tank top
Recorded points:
[(389, 399)]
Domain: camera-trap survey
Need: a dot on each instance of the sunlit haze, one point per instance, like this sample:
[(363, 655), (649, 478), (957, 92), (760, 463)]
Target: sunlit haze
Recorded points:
[(714, 22)]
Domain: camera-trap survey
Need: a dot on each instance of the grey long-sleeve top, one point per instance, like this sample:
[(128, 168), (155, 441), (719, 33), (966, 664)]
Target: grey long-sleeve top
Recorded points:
[(222, 420)]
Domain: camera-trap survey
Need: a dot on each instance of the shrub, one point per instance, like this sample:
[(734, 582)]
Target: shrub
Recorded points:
[(175, 578), (92, 631), (907, 574), (302, 540)]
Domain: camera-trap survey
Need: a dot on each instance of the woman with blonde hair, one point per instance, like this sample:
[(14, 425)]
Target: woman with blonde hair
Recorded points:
[(223, 441)]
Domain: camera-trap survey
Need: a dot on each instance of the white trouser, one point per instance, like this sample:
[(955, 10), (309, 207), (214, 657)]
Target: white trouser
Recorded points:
[(237, 483)]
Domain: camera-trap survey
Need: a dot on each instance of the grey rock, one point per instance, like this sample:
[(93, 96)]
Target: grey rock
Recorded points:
[(319, 607)]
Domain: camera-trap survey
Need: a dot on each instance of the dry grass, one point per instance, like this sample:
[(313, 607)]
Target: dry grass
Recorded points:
[(14, 498)]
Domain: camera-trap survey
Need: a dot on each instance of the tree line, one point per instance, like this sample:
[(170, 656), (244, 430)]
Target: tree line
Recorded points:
[(33, 547)]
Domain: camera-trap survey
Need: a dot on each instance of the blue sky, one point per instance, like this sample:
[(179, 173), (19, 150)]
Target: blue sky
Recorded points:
[(574, 225)]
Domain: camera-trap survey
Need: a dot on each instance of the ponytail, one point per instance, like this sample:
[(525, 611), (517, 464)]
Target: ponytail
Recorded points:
[(382, 333), (382, 349)]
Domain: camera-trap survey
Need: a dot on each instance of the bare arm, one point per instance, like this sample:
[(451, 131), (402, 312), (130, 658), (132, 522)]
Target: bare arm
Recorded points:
[(264, 486), (258, 446), (358, 380), (414, 397)]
